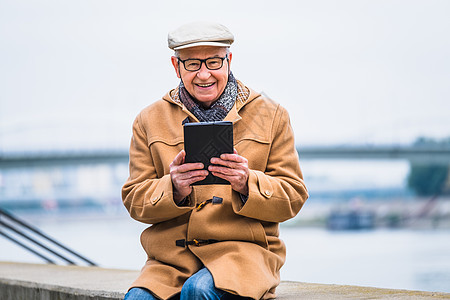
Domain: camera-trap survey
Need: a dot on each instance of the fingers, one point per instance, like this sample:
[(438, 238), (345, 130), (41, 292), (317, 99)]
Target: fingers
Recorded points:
[(233, 161), (222, 172), (179, 165), (237, 178), (189, 177), (183, 175), (186, 174), (233, 168)]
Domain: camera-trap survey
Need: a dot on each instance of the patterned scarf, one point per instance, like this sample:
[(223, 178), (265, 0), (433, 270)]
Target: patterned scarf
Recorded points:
[(219, 109)]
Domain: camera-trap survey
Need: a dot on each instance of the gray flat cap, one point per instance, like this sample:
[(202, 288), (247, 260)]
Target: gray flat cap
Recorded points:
[(200, 34)]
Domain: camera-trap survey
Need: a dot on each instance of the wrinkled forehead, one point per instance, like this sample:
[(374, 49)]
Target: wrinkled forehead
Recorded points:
[(202, 52)]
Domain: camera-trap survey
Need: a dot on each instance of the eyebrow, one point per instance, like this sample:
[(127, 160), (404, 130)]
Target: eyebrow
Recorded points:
[(215, 56)]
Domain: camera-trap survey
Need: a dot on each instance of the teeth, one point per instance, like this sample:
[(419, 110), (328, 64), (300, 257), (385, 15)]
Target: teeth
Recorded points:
[(205, 85)]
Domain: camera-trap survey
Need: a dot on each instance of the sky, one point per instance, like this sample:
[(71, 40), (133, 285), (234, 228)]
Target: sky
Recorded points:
[(74, 74)]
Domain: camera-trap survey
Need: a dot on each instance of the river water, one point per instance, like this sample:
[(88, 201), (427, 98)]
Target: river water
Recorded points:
[(401, 258)]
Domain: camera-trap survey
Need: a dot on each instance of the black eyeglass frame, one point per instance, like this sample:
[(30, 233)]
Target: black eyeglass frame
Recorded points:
[(202, 61)]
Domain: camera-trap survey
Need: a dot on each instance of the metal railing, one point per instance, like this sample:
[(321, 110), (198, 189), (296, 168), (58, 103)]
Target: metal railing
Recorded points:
[(17, 231)]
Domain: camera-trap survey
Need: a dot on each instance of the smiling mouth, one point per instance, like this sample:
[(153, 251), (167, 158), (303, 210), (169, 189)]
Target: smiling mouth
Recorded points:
[(204, 85)]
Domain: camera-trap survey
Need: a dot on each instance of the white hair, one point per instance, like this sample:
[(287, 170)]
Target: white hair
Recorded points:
[(176, 53)]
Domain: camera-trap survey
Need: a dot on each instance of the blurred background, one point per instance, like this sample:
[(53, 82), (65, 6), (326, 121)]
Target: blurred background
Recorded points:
[(366, 84)]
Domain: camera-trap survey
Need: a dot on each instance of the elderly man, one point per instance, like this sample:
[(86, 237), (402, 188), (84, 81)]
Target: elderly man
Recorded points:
[(198, 248)]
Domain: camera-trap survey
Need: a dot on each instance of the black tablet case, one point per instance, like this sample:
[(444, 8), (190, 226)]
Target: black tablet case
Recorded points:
[(204, 140)]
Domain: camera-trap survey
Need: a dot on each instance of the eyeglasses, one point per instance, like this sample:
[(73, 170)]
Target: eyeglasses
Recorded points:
[(212, 63)]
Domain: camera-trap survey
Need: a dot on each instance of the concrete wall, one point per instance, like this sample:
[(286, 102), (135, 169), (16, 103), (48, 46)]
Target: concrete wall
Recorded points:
[(19, 281)]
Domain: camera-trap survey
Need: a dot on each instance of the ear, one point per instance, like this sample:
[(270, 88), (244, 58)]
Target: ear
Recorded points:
[(230, 56), (176, 66)]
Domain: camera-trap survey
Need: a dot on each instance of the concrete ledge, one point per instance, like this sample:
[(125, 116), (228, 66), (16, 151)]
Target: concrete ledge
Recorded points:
[(34, 281), (50, 282)]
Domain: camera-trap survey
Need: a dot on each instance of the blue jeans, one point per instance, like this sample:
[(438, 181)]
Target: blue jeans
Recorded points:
[(198, 286)]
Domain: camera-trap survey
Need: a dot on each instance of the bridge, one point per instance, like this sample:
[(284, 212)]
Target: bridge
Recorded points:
[(436, 154), (439, 154)]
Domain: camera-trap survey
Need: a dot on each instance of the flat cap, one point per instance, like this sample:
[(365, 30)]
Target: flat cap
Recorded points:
[(200, 34)]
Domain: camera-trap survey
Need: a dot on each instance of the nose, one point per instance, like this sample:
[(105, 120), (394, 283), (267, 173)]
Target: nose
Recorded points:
[(203, 73)]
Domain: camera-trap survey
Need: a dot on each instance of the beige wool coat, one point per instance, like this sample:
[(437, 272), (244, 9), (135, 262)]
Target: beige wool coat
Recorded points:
[(248, 256)]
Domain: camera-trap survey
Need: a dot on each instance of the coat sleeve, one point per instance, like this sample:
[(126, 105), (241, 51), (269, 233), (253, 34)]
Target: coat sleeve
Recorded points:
[(148, 199), (278, 193)]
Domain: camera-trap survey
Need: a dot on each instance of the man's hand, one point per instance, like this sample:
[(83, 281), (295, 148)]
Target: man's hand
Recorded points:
[(183, 175), (233, 168)]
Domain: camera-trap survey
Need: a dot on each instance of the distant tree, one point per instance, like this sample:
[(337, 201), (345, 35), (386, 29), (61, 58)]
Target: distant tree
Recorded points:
[(427, 180), (424, 141)]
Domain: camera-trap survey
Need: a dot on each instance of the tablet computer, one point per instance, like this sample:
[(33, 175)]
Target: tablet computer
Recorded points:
[(204, 140)]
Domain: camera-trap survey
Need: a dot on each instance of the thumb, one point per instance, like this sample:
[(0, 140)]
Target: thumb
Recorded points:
[(179, 159)]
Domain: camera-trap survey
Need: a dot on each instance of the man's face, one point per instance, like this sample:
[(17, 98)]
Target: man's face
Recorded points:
[(204, 85)]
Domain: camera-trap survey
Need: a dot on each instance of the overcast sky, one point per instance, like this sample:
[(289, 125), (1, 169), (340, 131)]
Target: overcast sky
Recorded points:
[(74, 74)]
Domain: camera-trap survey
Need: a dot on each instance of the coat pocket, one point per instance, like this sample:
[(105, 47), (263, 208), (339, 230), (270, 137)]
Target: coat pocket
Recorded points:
[(256, 151), (258, 233)]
